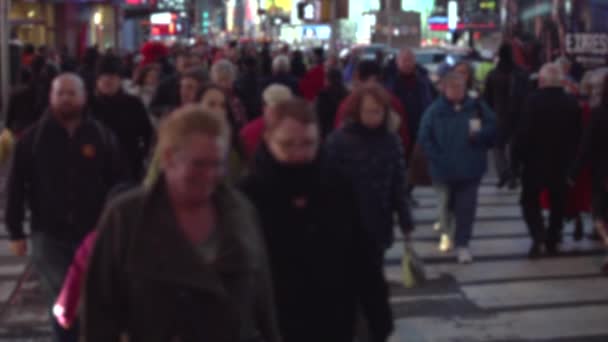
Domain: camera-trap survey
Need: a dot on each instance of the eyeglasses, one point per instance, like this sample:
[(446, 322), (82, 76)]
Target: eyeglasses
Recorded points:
[(291, 145)]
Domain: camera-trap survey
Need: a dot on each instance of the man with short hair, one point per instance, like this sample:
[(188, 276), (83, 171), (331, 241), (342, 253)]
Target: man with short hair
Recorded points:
[(415, 91), (545, 145), (63, 167), (123, 113)]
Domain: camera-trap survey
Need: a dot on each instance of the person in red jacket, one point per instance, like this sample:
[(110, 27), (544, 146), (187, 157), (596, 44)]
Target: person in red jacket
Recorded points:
[(368, 72), (314, 81), (251, 134)]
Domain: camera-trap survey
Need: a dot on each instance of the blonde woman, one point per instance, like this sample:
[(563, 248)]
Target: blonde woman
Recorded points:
[(211, 281)]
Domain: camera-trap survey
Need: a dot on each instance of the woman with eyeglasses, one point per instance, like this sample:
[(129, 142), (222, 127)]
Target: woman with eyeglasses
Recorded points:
[(324, 268)]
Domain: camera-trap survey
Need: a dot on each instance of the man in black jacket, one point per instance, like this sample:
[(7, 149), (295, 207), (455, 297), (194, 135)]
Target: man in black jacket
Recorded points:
[(545, 146), (123, 113), (63, 167), (505, 92)]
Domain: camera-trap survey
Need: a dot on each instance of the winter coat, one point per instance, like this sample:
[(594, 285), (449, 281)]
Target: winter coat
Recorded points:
[(251, 136), (453, 154), (323, 265), (547, 140), (62, 178), (248, 91), (327, 105), (580, 194), (374, 163), (506, 92), (594, 145), (147, 280), (312, 83), (415, 97), (167, 95), (126, 115)]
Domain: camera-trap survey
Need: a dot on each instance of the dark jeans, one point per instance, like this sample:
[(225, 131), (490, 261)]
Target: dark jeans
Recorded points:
[(461, 205), (599, 202), (52, 258), (532, 186)]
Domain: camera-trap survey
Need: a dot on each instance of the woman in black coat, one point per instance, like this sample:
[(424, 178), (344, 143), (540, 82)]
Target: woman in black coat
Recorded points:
[(323, 267), (371, 156)]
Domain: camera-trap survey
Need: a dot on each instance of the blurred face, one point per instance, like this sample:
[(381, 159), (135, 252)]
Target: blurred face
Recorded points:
[(194, 169), (269, 113), (214, 101), (224, 81), (463, 70), (292, 142), (406, 63), (67, 98), (455, 91), (372, 113), (108, 85), (188, 88), (152, 78), (183, 63)]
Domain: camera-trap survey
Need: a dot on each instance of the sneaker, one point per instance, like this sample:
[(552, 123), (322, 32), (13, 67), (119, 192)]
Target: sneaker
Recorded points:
[(445, 244), (437, 227), (464, 256)]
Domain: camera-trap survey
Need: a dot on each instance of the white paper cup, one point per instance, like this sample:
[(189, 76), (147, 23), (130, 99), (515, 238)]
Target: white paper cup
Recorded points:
[(475, 125)]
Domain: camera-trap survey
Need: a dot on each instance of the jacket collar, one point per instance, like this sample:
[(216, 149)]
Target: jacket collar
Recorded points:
[(48, 120), (160, 251)]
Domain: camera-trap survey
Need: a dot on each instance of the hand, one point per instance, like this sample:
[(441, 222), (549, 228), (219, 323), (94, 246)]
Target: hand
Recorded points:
[(19, 247)]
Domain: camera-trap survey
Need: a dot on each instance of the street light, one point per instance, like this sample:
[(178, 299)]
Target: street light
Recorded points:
[(97, 18)]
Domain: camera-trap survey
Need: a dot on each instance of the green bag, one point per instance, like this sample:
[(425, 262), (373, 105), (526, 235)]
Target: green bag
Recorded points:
[(413, 268)]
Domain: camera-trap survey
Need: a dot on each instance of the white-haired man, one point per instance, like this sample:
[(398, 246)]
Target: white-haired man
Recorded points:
[(281, 74), (545, 145)]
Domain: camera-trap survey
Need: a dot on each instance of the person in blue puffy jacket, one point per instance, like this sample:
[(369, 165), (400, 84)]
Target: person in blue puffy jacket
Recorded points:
[(456, 133)]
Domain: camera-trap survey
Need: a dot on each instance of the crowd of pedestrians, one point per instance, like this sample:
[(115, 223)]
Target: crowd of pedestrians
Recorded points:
[(241, 196)]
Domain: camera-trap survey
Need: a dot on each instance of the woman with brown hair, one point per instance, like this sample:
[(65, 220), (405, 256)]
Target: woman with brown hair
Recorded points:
[(213, 99), (181, 260), (145, 82), (324, 267), (372, 158)]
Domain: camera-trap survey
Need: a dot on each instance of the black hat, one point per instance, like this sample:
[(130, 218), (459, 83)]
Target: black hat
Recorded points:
[(108, 65)]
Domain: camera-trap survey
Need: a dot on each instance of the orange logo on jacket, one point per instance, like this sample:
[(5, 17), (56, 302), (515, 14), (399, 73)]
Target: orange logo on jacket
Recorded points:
[(88, 151)]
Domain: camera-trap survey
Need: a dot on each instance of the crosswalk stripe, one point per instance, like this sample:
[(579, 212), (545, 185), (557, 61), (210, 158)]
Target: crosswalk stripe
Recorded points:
[(560, 291), (533, 325)]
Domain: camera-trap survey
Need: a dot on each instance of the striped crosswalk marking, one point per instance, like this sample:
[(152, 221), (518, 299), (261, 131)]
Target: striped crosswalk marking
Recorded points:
[(502, 296)]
